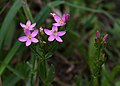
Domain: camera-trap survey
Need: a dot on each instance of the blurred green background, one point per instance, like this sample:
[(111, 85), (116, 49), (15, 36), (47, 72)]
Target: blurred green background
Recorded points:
[(73, 59)]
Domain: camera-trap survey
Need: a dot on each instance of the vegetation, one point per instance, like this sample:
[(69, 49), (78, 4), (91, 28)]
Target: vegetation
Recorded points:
[(84, 49)]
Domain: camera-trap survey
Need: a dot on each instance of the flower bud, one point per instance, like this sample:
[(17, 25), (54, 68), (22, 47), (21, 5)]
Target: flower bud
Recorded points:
[(105, 37), (67, 16), (98, 34), (96, 40), (53, 14), (41, 31)]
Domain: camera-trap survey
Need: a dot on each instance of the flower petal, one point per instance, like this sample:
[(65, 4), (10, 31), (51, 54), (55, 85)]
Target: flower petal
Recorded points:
[(56, 18), (54, 28), (22, 25), (34, 40), (56, 24), (33, 25), (48, 32), (22, 39), (31, 28), (28, 42), (28, 23), (51, 38), (34, 33), (27, 32), (59, 39), (61, 33)]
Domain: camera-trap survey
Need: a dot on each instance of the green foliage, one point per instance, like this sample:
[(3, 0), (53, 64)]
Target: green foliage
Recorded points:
[(26, 65)]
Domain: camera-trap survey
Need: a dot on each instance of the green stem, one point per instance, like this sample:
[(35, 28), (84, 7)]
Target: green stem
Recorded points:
[(97, 68), (32, 74), (45, 67), (91, 81)]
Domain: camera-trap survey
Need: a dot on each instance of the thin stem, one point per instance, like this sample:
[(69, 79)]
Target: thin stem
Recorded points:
[(32, 74), (91, 81), (35, 51)]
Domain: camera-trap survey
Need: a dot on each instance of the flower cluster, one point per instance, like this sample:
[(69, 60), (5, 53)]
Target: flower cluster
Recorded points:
[(100, 41), (30, 33), (29, 36), (54, 34), (98, 37)]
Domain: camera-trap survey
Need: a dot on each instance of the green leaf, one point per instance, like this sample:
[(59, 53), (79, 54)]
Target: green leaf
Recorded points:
[(11, 80), (42, 71), (8, 19), (50, 75), (115, 71), (117, 83)]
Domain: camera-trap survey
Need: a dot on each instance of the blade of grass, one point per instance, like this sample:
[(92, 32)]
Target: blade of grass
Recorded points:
[(9, 36), (27, 11), (9, 56), (7, 21), (46, 11), (90, 9)]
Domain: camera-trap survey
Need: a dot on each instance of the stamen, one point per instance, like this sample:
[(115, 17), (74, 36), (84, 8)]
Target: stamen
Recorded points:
[(29, 37)]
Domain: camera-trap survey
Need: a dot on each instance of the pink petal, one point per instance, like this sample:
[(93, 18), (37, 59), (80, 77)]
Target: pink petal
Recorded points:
[(48, 32), (34, 33), (22, 25), (31, 28), (59, 39), (65, 17), (62, 24), (22, 39), (28, 42), (57, 18), (27, 32), (33, 25), (34, 40), (54, 28), (56, 24), (61, 33), (51, 38), (28, 23)]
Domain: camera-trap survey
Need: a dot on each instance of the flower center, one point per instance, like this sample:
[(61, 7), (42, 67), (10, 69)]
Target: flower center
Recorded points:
[(29, 37), (27, 25), (55, 33), (61, 21)]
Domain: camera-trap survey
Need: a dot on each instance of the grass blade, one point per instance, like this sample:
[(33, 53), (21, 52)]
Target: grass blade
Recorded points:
[(7, 21)]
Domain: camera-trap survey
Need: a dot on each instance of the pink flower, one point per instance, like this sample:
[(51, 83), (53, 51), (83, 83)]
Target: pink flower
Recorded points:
[(105, 37), (29, 38), (28, 25), (98, 34), (54, 34), (60, 21)]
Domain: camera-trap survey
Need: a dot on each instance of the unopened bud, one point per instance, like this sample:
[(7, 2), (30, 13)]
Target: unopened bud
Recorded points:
[(105, 37), (98, 34), (41, 31), (53, 14), (96, 40), (43, 42), (67, 16)]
